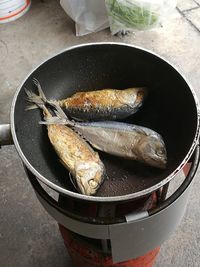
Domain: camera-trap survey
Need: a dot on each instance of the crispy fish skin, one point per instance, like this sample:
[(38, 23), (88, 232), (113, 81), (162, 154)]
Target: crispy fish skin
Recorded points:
[(104, 104), (74, 152), (78, 157)]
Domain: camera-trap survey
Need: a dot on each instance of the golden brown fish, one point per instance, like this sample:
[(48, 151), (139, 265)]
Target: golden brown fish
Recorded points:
[(76, 155), (105, 104)]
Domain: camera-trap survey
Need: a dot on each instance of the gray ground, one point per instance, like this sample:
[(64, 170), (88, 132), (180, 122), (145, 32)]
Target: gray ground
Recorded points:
[(28, 235)]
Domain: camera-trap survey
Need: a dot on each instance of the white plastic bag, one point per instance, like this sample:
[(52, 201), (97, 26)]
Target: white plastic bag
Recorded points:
[(130, 15), (89, 15)]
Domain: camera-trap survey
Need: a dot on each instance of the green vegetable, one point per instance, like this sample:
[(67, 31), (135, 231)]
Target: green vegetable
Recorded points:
[(130, 15)]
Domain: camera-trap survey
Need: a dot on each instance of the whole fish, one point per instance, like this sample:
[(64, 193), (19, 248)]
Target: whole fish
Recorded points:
[(105, 104), (74, 152), (126, 140), (120, 139)]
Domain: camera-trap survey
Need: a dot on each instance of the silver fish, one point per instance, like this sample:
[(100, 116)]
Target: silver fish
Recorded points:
[(120, 139), (105, 104), (74, 152)]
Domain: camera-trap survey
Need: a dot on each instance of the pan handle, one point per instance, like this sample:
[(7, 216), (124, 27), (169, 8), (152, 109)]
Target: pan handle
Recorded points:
[(5, 135)]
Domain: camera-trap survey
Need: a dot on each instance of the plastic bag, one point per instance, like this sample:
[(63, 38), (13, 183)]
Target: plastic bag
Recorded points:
[(89, 15), (130, 15)]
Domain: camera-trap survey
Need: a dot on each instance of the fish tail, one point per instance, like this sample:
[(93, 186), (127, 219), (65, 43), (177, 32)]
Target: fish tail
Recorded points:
[(35, 100), (40, 91), (41, 101), (60, 118), (60, 115)]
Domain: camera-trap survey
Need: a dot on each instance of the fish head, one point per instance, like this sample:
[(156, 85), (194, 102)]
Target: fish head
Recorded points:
[(153, 151), (89, 176), (141, 94), (133, 97)]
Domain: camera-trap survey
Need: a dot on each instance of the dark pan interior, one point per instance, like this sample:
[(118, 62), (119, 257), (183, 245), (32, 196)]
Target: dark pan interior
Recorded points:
[(169, 109)]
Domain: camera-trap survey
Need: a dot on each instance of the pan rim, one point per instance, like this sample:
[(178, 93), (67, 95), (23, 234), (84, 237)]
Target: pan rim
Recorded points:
[(135, 195)]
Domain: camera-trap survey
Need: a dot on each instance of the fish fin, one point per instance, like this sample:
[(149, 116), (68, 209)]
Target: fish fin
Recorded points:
[(71, 177), (33, 98), (58, 110), (53, 120), (40, 91), (30, 107), (38, 101), (42, 95), (53, 103), (56, 120), (61, 114), (73, 181)]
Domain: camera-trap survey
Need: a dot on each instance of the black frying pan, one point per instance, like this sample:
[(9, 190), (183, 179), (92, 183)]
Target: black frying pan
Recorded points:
[(170, 109)]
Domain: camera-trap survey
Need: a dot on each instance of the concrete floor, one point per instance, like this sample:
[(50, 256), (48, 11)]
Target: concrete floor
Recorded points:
[(28, 235)]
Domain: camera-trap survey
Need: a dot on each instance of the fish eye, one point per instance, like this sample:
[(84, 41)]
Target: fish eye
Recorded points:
[(93, 184), (160, 152)]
